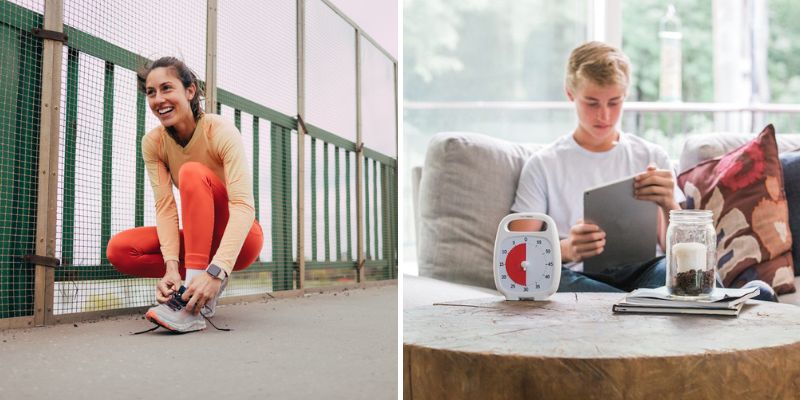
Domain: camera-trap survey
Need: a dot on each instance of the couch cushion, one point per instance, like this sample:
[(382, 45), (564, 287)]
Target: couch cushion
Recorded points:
[(468, 185), (701, 147), (791, 183), (744, 188)]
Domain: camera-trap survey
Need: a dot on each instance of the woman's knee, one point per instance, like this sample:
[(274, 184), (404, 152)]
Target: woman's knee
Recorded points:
[(126, 249), (192, 171), (251, 248), (118, 253)]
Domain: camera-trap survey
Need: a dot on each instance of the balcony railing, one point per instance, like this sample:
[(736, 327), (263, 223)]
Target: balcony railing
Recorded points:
[(100, 186)]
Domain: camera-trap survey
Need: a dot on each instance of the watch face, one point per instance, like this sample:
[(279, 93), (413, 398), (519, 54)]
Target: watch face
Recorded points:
[(214, 270)]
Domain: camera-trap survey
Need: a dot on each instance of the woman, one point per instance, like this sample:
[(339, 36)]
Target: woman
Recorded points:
[(203, 156)]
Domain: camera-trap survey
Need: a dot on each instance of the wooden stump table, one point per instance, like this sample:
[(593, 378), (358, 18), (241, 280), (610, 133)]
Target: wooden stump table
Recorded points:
[(572, 346)]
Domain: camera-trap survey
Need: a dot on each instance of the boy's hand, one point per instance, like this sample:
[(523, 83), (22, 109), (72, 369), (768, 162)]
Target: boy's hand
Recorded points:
[(584, 241), (656, 185)]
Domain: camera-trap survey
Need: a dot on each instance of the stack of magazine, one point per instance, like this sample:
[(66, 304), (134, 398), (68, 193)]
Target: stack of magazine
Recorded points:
[(659, 301)]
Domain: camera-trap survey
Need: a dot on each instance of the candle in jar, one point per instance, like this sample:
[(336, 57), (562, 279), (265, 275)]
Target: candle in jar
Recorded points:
[(689, 256)]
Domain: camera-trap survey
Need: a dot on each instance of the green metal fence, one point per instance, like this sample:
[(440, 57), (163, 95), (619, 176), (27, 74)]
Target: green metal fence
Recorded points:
[(279, 271), (20, 58), (380, 183), (84, 280)]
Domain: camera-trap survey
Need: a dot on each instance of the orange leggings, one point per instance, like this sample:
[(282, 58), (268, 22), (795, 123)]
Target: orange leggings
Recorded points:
[(204, 201)]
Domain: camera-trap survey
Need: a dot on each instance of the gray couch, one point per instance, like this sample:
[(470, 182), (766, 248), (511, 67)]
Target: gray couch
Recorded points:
[(468, 184)]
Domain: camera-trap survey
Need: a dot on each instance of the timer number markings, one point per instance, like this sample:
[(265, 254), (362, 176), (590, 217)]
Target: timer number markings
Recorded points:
[(514, 262)]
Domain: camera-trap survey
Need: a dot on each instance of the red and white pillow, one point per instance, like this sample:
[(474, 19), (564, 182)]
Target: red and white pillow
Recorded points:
[(744, 189)]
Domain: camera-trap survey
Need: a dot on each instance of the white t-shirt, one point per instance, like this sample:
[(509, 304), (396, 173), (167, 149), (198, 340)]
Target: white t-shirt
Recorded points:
[(553, 179)]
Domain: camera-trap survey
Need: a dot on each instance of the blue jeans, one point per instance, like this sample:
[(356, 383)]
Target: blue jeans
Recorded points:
[(650, 274)]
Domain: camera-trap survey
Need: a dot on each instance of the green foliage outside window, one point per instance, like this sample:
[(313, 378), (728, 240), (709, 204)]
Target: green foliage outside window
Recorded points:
[(784, 51), (478, 50), (640, 24)]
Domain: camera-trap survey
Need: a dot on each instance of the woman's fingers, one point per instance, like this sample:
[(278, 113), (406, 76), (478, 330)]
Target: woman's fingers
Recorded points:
[(165, 288), (162, 292), (160, 298), (192, 303), (199, 293)]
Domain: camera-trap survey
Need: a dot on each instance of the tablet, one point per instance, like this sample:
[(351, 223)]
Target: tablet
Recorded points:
[(630, 226)]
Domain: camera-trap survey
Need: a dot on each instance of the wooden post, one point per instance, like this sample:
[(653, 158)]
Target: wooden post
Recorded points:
[(211, 57), (301, 138), (396, 186), (359, 166), (48, 162)]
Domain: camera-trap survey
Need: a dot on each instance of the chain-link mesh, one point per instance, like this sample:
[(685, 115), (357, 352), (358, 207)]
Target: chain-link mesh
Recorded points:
[(102, 186), (257, 52), (20, 96), (258, 78), (330, 56), (379, 223), (330, 213), (380, 136), (378, 100)]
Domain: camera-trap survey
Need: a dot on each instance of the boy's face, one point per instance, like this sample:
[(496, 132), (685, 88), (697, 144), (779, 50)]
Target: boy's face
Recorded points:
[(599, 109)]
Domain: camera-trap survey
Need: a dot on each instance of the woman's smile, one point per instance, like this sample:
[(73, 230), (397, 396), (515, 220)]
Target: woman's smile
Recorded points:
[(170, 101)]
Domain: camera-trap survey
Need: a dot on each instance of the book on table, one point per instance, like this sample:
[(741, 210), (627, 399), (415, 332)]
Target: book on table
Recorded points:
[(659, 301)]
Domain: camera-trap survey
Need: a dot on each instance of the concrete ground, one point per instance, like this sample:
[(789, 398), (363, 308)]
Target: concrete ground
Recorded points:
[(340, 345)]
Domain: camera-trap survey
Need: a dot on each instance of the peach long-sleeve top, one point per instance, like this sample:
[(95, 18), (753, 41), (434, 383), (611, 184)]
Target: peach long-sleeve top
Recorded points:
[(217, 144)]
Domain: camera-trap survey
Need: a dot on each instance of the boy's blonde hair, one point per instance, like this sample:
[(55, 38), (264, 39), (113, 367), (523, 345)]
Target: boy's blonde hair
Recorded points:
[(599, 63)]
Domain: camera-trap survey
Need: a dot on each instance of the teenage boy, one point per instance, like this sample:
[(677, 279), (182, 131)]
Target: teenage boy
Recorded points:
[(554, 179)]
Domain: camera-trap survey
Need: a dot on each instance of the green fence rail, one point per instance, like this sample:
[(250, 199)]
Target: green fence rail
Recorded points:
[(20, 95), (20, 83)]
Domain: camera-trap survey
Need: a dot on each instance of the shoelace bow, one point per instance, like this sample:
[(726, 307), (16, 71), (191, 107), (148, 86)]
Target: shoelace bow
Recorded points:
[(176, 303)]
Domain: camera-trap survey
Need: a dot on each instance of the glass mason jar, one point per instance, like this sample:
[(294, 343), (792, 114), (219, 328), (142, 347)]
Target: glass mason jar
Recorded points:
[(691, 254)]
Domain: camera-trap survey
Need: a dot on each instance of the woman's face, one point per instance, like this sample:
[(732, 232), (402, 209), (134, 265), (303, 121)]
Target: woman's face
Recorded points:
[(167, 97)]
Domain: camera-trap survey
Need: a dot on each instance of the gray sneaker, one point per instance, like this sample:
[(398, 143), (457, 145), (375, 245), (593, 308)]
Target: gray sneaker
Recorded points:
[(211, 307), (174, 316)]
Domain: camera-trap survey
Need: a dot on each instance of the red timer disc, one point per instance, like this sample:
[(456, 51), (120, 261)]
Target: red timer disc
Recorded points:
[(527, 264), (514, 264)]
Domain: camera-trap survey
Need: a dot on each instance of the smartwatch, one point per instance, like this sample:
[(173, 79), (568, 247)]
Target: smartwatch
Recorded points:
[(216, 272)]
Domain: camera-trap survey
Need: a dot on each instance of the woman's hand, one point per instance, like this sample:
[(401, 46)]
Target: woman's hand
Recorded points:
[(656, 185), (169, 284), (201, 290), (584, 241)]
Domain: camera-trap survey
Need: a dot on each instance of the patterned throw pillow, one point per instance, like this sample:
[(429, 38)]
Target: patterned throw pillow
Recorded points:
[(744, 189)]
